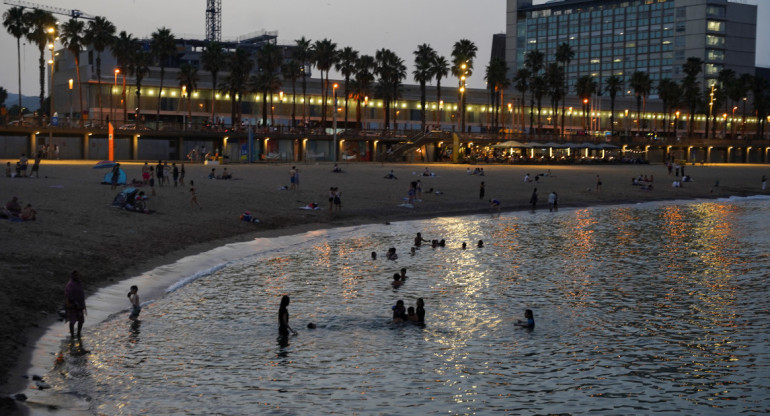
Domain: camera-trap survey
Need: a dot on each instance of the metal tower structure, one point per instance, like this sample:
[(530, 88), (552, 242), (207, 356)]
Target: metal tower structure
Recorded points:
[(214, 20)]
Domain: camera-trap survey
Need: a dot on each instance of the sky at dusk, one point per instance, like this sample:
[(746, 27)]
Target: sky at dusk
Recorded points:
[(365, 25)]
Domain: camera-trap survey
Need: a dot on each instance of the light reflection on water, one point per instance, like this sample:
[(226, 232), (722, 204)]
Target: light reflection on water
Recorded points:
[(639, 309)]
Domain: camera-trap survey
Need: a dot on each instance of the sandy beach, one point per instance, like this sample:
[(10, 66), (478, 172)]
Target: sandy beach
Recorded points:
[(77, 229)]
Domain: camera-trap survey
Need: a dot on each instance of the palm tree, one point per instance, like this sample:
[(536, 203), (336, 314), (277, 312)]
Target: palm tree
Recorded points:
[(539, 89), (346, 65), (188, 79), (613, 85), (100, 34), (302, 54), (463, 54), (554, 79), (670, 93), (324, 53), (641, 84), (72, 39), (362, 82), (292, 71), (691, 90), (424, 56), (123, 47), (497, 81), (139, 68), (745, 85), (521, 82), (269, 59), (564, 55), (16, 25), (239, 65), (439, 70), (213, 60), (391, 71), (162, 46), (585, 87), (41, 27), (533, 61)]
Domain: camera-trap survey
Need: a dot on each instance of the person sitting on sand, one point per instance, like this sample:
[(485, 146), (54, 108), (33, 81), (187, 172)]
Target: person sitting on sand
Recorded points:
[(28, 213), (530, 320), (213, 173), (226, 174), (390, 175), (336, 169), (399, 312), (396, 280), (494, 205), (426, 172), (13, 208)]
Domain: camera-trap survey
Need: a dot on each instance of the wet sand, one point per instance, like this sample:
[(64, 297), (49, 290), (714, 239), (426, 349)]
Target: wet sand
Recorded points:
[(77, 229)]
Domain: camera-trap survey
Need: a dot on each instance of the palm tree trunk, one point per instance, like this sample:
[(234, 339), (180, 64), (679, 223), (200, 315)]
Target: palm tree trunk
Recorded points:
[(293, 102), (304, 96), (213, 96), (160, 93), (18, 60), (346, 102), (123, 97), (99, 83), (80, 91), (42, 79), (612, 116)]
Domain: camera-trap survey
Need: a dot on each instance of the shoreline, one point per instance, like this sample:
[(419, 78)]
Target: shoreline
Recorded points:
[(286, 221)]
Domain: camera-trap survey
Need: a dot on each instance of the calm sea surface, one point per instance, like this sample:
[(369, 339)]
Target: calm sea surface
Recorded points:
[(654, 308)]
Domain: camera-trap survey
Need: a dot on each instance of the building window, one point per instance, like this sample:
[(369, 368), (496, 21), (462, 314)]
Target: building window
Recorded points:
[(715, 55), (713, 69), (715, 26), (715, 40), (681, 12), (716, 11)]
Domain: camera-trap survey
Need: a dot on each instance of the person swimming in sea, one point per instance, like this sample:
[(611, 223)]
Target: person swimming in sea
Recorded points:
[(418, 240), (403, 274), (420, 312), (391, 254), (399, 312), (374, 255), (396, 281), (530, 322), (411, 316), (481, 244)]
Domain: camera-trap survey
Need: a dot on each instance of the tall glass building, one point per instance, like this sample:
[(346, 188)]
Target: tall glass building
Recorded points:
[(619, 37)]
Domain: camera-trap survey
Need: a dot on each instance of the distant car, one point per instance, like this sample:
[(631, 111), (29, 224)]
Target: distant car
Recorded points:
[(20, 123), (132, 126)]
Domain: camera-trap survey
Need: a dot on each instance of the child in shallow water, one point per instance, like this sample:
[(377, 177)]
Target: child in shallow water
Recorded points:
[(136, 307), (530, 322)]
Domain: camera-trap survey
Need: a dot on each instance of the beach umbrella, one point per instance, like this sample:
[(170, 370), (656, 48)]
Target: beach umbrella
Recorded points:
[(104, 164)]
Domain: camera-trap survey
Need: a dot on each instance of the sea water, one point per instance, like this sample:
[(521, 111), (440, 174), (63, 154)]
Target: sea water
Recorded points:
[(639, 309)]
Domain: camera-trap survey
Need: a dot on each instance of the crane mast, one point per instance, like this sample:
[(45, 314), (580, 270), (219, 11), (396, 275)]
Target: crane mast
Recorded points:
[(214, 20)]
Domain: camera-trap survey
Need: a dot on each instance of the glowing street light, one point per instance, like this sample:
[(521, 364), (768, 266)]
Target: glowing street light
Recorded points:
[(334, 123)]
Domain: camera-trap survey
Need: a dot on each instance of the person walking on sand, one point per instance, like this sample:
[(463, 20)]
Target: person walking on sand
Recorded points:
[(598, 183), (293, 178), (36, 165), (75, 303), (115, 175), (553, 202), (181, 175), (533, 199), (481, 190), (283, 318), (194, 196), (764, 182)]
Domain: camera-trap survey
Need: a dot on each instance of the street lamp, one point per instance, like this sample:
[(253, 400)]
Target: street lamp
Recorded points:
[(366, 116), (71, 81), (724, 126), (112, 91), (184, 114), (52, 33), (711, 110), (463, 77), (676, 123), (334, 123), (732, 123)]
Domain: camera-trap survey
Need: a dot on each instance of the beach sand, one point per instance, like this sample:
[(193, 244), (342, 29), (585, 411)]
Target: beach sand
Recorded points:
[(77, 229)]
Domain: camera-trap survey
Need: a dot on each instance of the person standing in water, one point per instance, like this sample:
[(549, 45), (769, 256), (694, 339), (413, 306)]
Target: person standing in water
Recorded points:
[(283, 318), (136, 307), (530, 320), (75, 303)]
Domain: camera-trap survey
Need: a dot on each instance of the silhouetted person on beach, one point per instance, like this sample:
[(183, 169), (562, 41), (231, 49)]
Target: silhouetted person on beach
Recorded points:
[(75, 303), (283, 318)]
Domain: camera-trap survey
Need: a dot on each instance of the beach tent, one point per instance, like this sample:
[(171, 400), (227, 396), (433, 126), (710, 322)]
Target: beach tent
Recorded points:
[(121, 177)]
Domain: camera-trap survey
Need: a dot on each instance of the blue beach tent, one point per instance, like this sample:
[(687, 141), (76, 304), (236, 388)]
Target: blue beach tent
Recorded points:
[(121, 177)]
